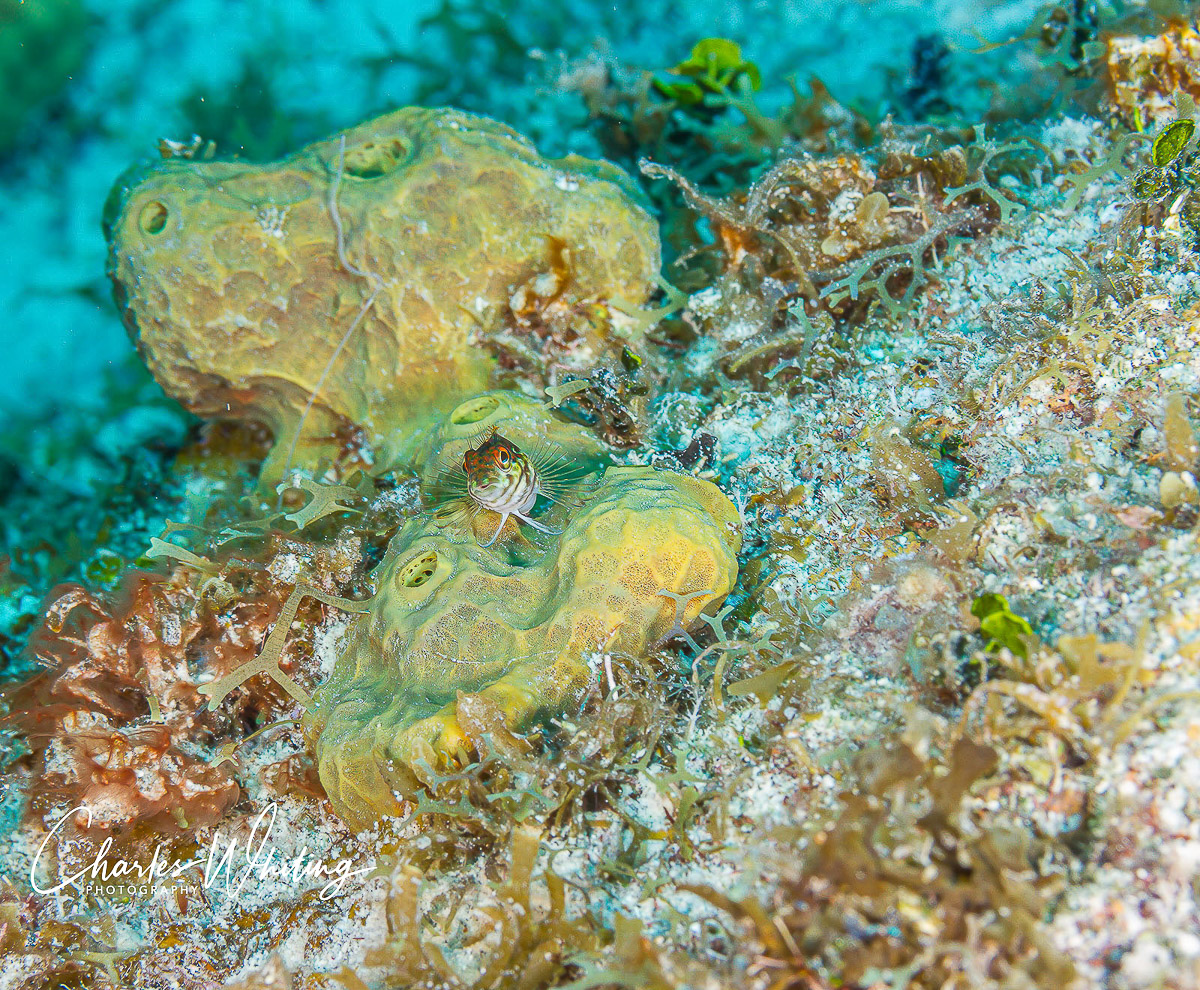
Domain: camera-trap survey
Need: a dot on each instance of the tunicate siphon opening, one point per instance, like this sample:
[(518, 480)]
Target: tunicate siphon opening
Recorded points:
[(418, 570), (374, 159), (473, 410), (153, 219), (872, 214)]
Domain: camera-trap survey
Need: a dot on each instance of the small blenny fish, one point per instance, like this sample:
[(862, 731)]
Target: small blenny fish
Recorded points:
[(498, 476)]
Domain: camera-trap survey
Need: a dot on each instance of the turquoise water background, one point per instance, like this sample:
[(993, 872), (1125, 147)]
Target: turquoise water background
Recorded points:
[(302, 68)]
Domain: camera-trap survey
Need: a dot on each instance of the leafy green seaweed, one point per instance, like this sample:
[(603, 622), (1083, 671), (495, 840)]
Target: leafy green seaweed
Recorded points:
[(1004, 628)]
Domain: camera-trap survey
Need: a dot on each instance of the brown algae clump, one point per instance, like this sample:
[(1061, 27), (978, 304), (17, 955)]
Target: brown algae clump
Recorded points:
[(366, 285)]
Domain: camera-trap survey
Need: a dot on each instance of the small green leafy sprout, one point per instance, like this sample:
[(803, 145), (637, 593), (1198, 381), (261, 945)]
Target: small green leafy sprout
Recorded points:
[(1173, 173), (1165, 173), (1171, 141), (104, 569), (715, 67), (1001, 625)]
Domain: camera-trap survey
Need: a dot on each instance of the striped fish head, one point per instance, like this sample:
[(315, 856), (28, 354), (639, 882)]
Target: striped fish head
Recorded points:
[(500, 476)]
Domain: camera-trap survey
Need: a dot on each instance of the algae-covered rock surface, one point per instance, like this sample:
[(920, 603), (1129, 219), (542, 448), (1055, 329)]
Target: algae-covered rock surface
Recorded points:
[(760, 548)]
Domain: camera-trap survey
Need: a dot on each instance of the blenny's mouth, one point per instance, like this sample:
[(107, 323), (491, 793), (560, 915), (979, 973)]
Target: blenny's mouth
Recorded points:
[(483, 496)]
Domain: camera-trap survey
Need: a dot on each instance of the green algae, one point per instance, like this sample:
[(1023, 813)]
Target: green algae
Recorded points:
[(42, 45), (714, 68), (1000, 625)]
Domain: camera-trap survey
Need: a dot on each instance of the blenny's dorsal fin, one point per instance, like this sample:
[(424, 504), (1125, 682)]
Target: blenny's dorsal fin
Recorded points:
[(482, 437)]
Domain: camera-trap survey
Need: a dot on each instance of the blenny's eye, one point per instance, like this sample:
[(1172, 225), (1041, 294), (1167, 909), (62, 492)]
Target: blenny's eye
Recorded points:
[(503, 455)]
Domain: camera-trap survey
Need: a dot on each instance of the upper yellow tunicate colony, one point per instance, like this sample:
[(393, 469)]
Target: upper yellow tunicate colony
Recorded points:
[(234, 285)]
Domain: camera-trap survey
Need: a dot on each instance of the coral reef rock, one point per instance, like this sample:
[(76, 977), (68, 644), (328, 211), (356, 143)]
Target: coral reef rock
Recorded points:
[(382, 281), (464, 640), (1145, 73)]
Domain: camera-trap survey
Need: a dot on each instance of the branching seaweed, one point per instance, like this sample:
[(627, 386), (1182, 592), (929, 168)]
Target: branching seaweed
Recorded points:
[(875, 270), (741, 222), (162, 550), (268, 661), (681, 602), (1111, 164), (981, 154), (902, 889), (326, 500)]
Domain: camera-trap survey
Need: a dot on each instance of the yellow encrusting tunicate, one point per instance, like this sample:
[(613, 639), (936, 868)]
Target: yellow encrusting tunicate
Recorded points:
[(510, 627), (356, 291)]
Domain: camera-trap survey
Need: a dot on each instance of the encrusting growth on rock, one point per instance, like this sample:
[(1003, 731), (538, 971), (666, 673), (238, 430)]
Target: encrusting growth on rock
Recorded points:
[(511, 626), (343, 288)]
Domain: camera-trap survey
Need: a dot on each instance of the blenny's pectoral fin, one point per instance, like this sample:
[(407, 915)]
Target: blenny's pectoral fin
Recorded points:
[(499, 529), (537, 525)]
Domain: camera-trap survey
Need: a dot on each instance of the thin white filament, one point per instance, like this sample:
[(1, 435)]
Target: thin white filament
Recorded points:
[(376, 288)]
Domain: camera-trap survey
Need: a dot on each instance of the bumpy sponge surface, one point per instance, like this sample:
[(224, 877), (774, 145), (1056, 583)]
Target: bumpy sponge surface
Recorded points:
[(453, 621)]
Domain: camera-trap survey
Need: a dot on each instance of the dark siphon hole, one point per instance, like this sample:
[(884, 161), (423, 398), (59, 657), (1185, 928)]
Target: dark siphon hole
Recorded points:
[(154, 218)]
